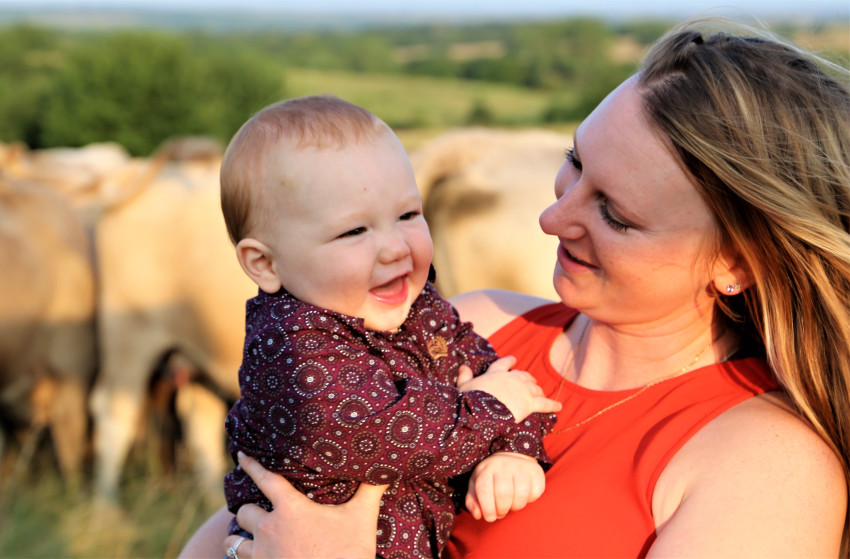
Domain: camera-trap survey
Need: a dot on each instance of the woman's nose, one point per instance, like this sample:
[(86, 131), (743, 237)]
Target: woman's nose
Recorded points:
[(564, 217)]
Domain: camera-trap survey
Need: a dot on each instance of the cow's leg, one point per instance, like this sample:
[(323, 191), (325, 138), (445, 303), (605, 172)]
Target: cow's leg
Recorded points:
[(72, 356), (116, 412), (68, 425), (202, 414), (128, 357)]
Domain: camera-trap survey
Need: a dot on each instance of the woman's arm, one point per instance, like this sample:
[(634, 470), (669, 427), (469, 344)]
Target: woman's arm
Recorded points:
[(206, 542), (490, 309), (755, 482)]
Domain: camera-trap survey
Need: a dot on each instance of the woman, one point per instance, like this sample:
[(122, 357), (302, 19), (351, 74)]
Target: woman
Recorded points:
[(701, 343)]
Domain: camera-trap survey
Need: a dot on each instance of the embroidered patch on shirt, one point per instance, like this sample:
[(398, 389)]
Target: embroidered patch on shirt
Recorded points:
[(438, 347)]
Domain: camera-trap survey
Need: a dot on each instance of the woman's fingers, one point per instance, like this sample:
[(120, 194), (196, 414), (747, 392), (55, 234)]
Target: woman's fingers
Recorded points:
[(245, 550), (274, 486), (366, 500), (249, 517), (300, 527)]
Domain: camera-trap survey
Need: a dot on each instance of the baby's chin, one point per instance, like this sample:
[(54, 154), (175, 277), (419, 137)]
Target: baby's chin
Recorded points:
[(389, 321)]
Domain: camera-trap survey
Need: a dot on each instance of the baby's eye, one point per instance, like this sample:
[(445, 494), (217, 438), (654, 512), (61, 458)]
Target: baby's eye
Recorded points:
[(571, 157), (409, 215), (353, 232)]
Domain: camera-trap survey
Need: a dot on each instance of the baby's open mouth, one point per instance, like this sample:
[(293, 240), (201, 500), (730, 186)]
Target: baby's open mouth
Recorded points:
[(392, 292)]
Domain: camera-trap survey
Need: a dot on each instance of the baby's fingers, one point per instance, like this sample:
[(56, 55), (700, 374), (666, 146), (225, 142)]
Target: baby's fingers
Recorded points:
[(503, 486), (485, 497), (464, 374), (522, 489), (472, 505), (538, 485), (541, 404), (503, 363)]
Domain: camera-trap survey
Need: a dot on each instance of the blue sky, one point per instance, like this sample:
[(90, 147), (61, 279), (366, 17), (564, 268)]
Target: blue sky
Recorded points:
[(805, 9)]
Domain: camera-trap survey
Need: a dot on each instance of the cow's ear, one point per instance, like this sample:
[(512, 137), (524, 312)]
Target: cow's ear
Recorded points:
[(257, 260)]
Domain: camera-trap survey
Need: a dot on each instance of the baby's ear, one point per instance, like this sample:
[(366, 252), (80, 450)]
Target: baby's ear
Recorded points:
[(258, 263)]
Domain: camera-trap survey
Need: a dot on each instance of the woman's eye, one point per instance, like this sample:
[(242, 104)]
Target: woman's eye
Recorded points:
[(353, 232), (408, 216), (616, 225), (571, 157)]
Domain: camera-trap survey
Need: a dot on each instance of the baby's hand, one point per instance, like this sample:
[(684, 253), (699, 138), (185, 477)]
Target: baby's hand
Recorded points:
[(504, 482), (517, 390)]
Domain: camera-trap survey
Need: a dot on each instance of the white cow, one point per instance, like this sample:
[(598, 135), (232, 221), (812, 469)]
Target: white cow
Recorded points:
[(169, 280), (484, 190), (47, 298)]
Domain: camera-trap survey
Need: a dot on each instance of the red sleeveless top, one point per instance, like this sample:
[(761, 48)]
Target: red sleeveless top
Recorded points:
[(598, 494)]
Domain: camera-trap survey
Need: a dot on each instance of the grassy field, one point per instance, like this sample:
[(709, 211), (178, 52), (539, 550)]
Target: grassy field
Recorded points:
[(41, 518), (433, 105), (422, 102)]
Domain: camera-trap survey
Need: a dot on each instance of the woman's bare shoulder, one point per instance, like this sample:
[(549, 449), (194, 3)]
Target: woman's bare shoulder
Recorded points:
[(769, 425), (490, 309), (756, 481)]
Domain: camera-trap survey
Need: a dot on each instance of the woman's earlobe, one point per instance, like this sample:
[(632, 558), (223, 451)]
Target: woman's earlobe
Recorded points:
[(733, 289), (733, 277), (734, 282), (257, 261)]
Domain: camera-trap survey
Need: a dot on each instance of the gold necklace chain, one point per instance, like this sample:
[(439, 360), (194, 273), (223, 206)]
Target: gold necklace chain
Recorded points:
[(610, 407)]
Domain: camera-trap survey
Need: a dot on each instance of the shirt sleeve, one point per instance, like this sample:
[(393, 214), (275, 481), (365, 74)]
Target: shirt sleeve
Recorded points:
[(322, 412), (525, 437)]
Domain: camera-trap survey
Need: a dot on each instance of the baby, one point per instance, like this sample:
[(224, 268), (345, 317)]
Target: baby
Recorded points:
[(351, 358)]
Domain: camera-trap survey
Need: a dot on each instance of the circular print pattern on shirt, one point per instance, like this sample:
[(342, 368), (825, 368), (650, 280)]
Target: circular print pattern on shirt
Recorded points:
[(420, 461), (271, 381), (407, 507), (309, 344), (496, 408), (353, 411), (351, 377), (281, 310), (313, 417), (281, 420), (430, 320), (386, 530), (366, 445), (272, 343), (404, 429), (331, 452), (432, 406), (381, 474), (525, 443), (310, 378)]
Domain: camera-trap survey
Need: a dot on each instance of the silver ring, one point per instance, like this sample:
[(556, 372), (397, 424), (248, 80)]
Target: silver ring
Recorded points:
[(231, 551)]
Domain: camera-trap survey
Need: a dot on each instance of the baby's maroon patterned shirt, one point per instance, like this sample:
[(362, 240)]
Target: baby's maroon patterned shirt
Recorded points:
[(329, 404)]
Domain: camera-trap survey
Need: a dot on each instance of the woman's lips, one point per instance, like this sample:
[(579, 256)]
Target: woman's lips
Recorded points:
[(570, 262), (394, 292)]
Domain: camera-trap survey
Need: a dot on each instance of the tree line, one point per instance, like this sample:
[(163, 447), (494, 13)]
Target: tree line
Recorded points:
[(140, 87)]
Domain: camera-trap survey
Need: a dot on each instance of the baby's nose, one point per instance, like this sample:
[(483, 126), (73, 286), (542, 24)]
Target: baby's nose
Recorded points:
[(394, 248)]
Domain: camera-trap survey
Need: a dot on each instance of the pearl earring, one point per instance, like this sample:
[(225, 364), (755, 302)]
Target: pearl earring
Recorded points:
[(733, 288)]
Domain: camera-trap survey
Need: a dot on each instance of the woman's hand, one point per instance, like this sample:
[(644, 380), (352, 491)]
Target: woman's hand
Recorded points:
[(299, 527)]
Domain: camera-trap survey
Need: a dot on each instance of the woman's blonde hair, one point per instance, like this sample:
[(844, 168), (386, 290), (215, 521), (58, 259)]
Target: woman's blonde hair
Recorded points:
[(764, 129)]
